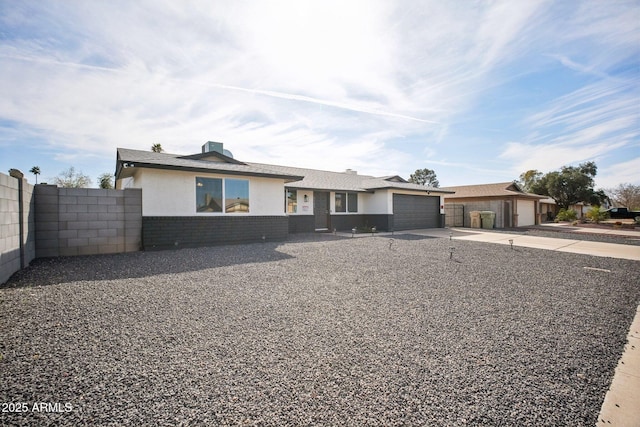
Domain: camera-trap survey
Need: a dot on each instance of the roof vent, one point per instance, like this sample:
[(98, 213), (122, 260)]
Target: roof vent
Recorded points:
[(211, 146), (351, 172)]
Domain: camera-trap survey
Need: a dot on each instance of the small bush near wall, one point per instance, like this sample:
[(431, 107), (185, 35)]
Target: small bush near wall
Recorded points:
[(596, 215), (566, 215)]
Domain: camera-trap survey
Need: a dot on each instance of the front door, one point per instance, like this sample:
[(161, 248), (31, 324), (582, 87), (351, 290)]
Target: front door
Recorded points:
[(321, 209)]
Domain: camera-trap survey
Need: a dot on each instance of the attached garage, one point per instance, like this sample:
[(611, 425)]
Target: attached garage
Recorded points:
[(526, 212), (411, 212), (512, 206)]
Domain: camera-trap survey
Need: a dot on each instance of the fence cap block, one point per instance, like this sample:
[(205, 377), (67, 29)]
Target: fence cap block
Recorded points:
[(16, 173)]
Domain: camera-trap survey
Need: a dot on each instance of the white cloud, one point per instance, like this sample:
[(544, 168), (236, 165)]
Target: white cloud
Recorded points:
[(589, 123), (619, 173), (323, 84)]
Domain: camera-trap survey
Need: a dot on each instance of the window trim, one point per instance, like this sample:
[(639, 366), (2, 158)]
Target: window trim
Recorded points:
[(346, 205), (224, 196)]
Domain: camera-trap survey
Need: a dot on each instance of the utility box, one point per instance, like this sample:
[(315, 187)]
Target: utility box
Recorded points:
[(476, 221), (488, 219)]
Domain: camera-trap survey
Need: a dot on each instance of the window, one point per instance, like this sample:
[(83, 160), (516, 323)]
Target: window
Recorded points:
[(346, 202), (341, 202), (208, 195), (352, 202), (236, 195), (292, 201)]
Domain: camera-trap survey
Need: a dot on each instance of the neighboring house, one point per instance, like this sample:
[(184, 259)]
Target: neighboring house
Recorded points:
[(512, 206), (549, 209), (212, 198)]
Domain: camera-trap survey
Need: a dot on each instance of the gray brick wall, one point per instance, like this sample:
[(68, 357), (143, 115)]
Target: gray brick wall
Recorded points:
[(193, 231), (10, 238), (306, 223), (302, 224), (87, 221)]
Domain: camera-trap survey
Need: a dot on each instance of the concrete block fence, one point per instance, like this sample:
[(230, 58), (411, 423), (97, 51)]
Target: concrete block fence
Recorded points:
[(17, 229), (86, 221), (46, 221)]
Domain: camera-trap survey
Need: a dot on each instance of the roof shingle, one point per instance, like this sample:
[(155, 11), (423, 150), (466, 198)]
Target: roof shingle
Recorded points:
[(500, 189)]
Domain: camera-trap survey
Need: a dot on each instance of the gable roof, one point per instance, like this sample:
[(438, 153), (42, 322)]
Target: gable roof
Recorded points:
[(345, 181), (213, 162), (128, 159), (500, 189)]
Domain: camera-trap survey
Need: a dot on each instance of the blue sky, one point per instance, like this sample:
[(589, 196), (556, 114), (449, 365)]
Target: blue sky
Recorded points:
[(479, 91)]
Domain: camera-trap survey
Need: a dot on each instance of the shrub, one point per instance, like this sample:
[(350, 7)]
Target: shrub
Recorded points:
[(596, 215), (566, 215)]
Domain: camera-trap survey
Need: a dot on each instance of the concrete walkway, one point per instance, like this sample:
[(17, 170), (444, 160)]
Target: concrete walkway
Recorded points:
[(621, 406), (613, 250), (586, 247)]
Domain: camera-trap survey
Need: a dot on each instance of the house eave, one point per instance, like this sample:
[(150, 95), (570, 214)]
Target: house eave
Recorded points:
[(143, 165), (417, 190)]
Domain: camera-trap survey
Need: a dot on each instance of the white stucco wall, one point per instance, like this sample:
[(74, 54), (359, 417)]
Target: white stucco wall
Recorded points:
[(304, 208), (377, 203), (173, 193)]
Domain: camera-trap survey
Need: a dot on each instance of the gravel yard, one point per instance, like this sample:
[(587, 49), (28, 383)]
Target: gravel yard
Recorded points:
[(328, 331)]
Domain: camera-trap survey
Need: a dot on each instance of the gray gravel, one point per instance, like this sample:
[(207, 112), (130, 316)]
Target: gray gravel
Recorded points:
[(364, 331)]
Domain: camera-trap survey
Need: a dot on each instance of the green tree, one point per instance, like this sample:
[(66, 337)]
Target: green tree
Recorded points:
[(568, 186), (71, 178), (157, 148), (529, 180), (36, 171), (424, 177), (626, 195), (106, 180)]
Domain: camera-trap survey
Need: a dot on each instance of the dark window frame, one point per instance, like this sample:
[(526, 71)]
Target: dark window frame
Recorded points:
[(219, 191)]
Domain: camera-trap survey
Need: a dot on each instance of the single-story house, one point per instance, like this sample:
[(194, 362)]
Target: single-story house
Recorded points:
[(512, 206), (211, 198), (549, 209)]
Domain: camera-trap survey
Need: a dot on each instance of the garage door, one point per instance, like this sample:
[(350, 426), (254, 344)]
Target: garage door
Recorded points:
[(526, 213), (411, 212)]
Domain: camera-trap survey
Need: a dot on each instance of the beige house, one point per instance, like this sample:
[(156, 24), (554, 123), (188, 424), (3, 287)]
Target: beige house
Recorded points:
[(549, 209), (512, 206)]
